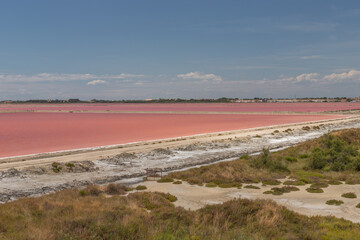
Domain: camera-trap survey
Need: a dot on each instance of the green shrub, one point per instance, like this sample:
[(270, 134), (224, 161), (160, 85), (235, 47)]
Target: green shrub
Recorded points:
[(304, 156), (211, 184), (334, 182), (82, 193), (170, 197), (349, 195), (69, 165), (334, 202), (245, 156), (314, 190), (230, 185), (177, 182), (56, 167), (358, 205), (92, 190), (140, 187), (114, 188), (165, 180), (294, 183), (251, 187), (291, 159)]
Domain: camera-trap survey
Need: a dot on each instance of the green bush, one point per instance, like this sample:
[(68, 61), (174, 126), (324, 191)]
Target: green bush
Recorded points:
[(314, 190), (349, 195), (334, 202), (291, 159), (140, 187), (114, 188), (165, 180), (335, 154), (334, 182), (251, 187), (294, 183), (230, 185), (170, 197), (177, 182), (211, 184)]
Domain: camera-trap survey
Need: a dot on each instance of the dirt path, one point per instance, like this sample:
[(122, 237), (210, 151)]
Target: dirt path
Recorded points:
[(311, 204), (92, 154)]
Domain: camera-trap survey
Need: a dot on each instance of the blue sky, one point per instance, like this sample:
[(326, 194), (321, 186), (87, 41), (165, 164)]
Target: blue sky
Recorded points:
[(170, 49)]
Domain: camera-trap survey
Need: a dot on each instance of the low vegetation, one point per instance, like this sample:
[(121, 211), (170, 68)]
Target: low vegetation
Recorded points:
[(251, 187), (349, 195), (281, 190), (140, 187), (329, 160), (334, 202), (314, 190), (144, 215), (165, 180)]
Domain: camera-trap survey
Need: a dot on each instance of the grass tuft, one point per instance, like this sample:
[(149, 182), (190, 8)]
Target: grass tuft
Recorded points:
[(349, 195), (334, 202), (314, 190), (165, 180)]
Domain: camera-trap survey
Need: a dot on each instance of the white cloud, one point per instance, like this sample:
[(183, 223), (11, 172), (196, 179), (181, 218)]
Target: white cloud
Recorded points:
[(311, 57), (126, 75), (352, 75), (312, 77), (96, 82), (62, 77), (200, 76)]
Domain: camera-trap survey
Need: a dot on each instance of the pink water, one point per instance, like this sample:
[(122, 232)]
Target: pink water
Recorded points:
[(30, 133), (189, 107)]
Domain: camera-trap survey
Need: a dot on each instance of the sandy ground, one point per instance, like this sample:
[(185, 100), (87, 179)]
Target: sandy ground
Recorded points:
[(92, 154), (311, 204)]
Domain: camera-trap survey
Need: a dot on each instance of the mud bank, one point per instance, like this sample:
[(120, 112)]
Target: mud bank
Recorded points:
[(38, 180)]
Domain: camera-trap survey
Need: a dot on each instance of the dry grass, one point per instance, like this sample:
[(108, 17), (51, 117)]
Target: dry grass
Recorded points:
[(268, 167), (142, 215)]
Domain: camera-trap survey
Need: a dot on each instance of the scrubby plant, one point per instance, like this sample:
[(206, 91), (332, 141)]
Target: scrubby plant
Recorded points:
[(335, 154), (170, 197), (334, 182), (56, 167), (291, 159), (294, 183), (177, 182), (266, 161), (211, 185), (140, 187), (314, 190), (70, 166), (334, 202), (165, 180), (349, 195), (230, 185), (251, 187), (119, 189)]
